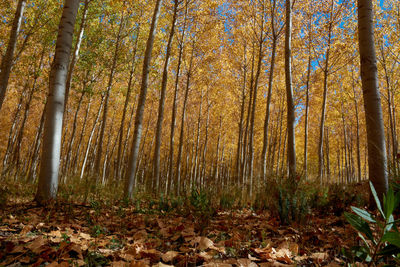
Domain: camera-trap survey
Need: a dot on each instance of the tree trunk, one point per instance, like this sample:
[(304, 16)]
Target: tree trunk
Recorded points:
[(75, 55), (291, 149), (156, 158), (372, 102), (183, 119), (48, 177), (7, 61), (267, 112), (99, 153), (127, 97), (137, 134)]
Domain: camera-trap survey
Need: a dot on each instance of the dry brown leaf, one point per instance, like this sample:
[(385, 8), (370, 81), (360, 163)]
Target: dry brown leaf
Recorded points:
[(142, 263), (119, 264), (26, 229), (160, 264), (206, 256), (319, 256), (205, 243), (152, 254), (245, 263), (36, 245), (169, 256), (218, 264), (84, 236)]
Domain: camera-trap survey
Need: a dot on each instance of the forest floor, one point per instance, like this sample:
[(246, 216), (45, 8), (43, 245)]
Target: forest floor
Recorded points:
[(66, 234)]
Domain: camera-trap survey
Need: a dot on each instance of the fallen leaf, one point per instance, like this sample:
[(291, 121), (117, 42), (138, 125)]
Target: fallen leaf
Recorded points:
[(36, 245), (160, 264), (205, 243), (245, 263), (169, 256)]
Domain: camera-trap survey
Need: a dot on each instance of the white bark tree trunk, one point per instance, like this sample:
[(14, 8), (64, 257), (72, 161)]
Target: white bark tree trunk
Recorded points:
[(50, 158), (137, 134), (372, 102), (291, 150)]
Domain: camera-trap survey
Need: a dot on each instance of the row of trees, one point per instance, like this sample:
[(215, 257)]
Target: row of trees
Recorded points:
[(214, 75)]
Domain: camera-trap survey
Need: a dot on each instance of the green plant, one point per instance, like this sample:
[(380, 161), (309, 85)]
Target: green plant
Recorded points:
[(292, 206), (201, 208), (379, 234), (227, 200)]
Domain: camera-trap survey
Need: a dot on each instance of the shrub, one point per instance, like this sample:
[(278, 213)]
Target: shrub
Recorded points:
[(381, 242)]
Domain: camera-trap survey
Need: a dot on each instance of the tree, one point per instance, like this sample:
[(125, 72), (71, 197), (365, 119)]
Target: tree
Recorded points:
[(291, 117), (50, 157), (372, 102), (137, 134), (156, 159), (7, 60)]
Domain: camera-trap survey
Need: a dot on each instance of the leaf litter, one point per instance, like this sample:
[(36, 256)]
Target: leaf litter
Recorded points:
[(87, 237)]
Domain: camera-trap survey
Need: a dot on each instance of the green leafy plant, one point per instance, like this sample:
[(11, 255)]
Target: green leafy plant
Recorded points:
[(292, 207), (379, 234)]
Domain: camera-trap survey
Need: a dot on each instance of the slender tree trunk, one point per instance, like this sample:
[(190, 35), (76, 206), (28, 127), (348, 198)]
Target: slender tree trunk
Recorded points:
[(75, 160), (246, 132), (174, 106), (75, 54), (7, 60), (85, 159), (357, 134), (183, 119), (267, 112), (306, 115), (255, 89), (156, 158), (31, 168), (127, 97), (99, 153), (48, 177), (74, 126), (291, 117), (372, 102), (132, 164), (242, 108), (323, 110)]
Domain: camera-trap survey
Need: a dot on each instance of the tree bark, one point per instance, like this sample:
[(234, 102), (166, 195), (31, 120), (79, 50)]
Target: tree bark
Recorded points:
[(291, 149), (7, 61), (99, 153), (48, 177), (137, 134), (156, 158), (75, 55), (377, 161)]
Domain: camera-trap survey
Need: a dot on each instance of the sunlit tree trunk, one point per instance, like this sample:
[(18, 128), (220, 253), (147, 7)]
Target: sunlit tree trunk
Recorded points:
[(75, 54), (242, 109), (50, 157), (183, 119), (391, 110), (291, 150), (76, 157), (357, 131), (131, 83), (253, 110), (89, 142), (323, 109), (137, 134), (156, 158), (74, 126), (7, 60), (99, 153), (34, 155), (372, 102)]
